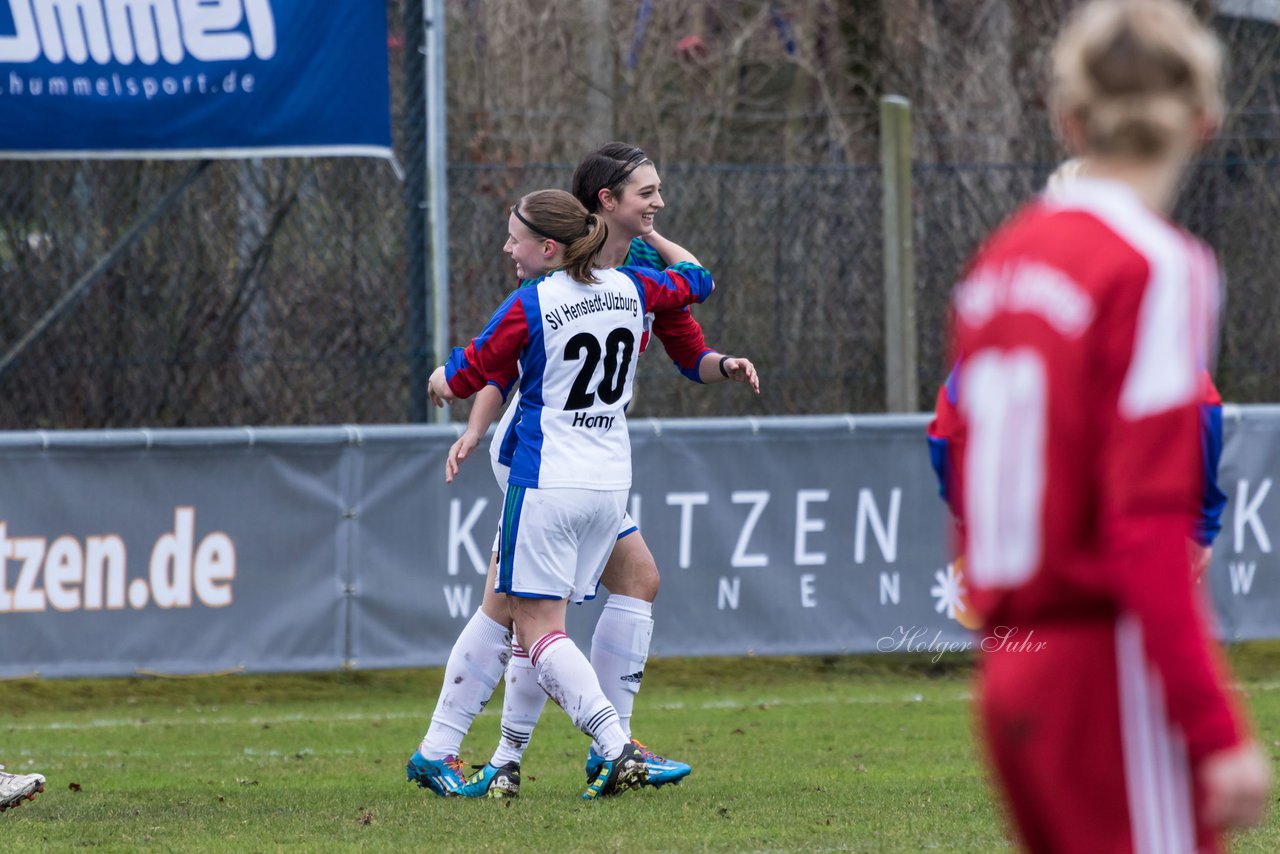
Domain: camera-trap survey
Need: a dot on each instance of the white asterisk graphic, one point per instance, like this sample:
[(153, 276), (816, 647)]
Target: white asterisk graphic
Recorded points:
[(949, 591)]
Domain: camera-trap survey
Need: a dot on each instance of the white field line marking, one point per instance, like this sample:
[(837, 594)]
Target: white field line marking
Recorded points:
[(955, 697), (193, 720), (361, 717)]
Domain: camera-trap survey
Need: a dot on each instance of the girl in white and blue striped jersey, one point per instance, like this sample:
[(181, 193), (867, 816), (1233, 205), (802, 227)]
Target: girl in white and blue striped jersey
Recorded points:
[(572, 338)]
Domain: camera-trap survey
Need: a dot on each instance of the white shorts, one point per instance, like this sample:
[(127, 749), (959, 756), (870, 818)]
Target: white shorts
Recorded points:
[(554, 542), (500, 473)]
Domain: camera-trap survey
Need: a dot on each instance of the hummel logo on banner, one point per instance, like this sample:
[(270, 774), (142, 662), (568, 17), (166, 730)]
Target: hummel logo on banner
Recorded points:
[(142, 30), (634, 677)]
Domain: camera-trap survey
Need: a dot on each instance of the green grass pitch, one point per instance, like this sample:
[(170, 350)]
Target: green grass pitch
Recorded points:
[(789, 754)]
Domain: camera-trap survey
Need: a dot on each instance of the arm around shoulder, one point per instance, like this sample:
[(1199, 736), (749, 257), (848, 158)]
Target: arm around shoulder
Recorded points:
[(672, 253)]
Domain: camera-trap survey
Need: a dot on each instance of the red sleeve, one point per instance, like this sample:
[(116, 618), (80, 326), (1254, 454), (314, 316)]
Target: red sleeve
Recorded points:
[(672, 288), (1146, 540), (1210, 395), (504, 377), (1150, 483), (946, 440), (682, 338), (494, 355)]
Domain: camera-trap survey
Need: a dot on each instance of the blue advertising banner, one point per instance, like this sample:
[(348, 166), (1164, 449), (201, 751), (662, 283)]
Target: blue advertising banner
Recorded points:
[(193, 78)]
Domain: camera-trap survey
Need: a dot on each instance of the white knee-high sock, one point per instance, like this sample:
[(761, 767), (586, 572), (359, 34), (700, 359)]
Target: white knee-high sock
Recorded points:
[(566, 675), (475, 665), (619, 650), (522, 705)]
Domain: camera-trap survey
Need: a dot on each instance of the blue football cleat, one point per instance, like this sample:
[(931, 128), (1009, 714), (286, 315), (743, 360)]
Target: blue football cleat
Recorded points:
[(442, 776), (661, 770), (490, 781)]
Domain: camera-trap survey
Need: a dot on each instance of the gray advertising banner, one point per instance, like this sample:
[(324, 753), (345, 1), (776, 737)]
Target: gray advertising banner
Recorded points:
[(311, 549), (178, 552), (1245, 575)]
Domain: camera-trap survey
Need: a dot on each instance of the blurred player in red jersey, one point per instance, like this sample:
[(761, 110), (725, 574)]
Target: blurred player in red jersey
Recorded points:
[(945, 435), (1085, 322)]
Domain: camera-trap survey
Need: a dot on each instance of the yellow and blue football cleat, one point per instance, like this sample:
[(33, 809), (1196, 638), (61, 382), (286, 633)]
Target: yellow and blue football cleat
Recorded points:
[(490, 781), (661, 770), (613, 777)]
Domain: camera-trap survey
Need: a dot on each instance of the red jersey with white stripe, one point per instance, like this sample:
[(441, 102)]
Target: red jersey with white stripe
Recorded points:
[(1084, 324), (575, 345)]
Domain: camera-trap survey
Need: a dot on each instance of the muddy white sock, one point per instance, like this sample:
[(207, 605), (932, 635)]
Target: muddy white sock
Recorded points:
[(566, 675), (476, 662), (522, 705)]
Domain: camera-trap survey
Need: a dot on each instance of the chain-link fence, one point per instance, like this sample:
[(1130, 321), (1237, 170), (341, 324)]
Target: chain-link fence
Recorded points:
[(1228, 201), (281, 291), (797, 257), (267, 293), (278, 292)]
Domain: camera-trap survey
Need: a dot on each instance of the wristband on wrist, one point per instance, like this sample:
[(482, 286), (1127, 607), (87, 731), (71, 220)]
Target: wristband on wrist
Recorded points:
[(723, 372)]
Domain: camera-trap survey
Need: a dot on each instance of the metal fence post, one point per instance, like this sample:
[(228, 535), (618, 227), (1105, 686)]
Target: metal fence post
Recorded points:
[(437, 154), (417, 322), (426, 197), (597, 62), (901, 387)]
